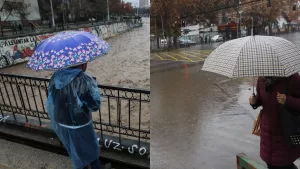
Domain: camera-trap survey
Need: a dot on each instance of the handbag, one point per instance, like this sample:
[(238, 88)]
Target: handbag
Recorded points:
[(290, 123), (256, 124)]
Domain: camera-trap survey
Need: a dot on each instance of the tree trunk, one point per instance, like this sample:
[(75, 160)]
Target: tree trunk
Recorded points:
[(157, 42), (1, 27), (175, 41), (270, 29)]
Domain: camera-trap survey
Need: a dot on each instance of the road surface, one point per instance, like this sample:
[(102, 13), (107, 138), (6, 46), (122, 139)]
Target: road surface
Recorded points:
[(198, 124)]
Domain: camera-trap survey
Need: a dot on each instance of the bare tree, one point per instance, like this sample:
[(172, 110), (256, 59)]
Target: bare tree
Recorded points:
[(15, 8)]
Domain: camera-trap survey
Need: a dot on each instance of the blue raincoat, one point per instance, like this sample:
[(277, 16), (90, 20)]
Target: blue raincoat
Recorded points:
[(73, 95)]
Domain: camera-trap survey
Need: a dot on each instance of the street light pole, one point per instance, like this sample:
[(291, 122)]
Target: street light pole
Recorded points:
[(108, 18), (240, 12), (252, 31), (53, 21), (241, 24), (137, 9), (162, 25), (237, 27)]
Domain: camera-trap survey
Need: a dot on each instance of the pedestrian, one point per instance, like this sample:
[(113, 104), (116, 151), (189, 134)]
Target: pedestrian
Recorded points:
[(14, 29), (273, 148), (73, 95), (20, 28), (32, 27)]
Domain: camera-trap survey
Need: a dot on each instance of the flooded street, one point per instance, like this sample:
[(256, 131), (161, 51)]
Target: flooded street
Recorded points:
[(200, 119), (126, 65)]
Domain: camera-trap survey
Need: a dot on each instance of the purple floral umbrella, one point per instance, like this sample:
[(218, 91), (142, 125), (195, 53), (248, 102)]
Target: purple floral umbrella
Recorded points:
[(67, 49)]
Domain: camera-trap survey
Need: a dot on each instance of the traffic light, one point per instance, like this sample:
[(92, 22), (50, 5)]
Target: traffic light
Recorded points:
[(268, 3)]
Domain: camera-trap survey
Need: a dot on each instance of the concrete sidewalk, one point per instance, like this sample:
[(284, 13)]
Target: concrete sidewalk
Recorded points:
[(18, 156)]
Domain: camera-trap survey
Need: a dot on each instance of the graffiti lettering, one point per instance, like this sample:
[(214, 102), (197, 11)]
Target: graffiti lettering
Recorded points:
[(19, 41), (131, 149), (117, 146), (13, 51), (142, 151), (107, 146), (2, 119), (43, 37)]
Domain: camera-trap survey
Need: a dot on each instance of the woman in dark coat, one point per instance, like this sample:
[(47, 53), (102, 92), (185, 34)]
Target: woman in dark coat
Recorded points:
[(273, 148)]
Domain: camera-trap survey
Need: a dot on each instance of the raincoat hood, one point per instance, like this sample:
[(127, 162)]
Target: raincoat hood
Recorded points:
[(64, 76)]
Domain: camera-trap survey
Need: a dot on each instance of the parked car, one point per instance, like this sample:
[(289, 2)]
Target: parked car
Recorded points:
[(244, 33), (184, 42), (217, 38), (164, 42)]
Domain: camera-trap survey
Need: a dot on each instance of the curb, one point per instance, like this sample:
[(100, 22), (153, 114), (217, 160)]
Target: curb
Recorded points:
[(46, 141)]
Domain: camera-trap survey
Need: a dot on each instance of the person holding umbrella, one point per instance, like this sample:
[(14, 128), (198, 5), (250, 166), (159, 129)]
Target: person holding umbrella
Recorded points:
[(72, 94), (276, 61), (273, 148)]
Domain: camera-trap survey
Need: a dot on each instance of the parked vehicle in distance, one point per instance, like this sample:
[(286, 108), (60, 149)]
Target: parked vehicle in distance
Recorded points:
[(217, 38), (244, 33), (164, 42), (184, 42)]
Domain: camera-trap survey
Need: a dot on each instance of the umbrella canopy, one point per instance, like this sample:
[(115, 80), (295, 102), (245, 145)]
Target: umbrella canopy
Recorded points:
[(67, 49), (254, 56)]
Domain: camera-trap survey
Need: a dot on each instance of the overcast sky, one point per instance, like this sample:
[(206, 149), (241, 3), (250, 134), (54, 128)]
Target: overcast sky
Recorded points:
[(134, 2)]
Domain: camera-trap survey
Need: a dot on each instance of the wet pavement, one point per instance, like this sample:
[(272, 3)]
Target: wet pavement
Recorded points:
[(18, 156), (200, 119), (194, 54)]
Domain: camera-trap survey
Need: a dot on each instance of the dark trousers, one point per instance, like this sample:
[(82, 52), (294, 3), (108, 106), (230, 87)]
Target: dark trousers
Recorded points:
[(292, 166), (94, 165)]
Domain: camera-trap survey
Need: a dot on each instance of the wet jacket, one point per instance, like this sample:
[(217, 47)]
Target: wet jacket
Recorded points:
[(73, 95), (273, 148)]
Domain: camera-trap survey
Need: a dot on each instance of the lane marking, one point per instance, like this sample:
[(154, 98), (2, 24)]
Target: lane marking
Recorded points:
[(195, 56), (184, 57), (159, 57), (170, 56)]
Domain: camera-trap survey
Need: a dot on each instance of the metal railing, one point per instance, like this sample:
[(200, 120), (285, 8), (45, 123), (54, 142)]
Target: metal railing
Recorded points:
[(9, 31), (123, 120)]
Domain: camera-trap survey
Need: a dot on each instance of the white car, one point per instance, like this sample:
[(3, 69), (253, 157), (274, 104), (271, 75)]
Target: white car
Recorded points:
[(163, 42), (217, 38)]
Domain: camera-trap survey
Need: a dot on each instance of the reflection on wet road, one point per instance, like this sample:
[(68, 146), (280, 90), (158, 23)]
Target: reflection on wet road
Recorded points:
[(195, 124)]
